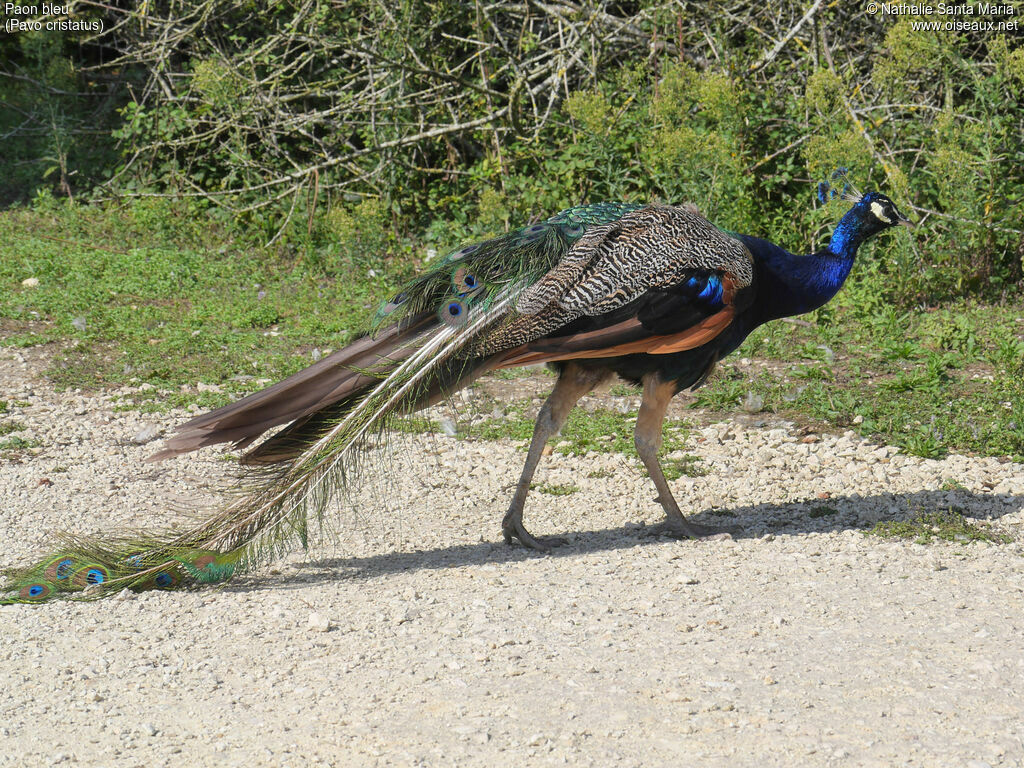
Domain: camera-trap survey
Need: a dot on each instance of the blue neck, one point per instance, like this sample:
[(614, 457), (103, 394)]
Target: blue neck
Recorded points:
[(792, 284), (848, 235)]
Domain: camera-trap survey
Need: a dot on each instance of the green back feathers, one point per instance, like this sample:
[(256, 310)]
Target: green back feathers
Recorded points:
[(471, 276)]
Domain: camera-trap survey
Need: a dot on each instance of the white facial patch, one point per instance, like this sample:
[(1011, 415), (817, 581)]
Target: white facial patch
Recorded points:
[(879, 211)]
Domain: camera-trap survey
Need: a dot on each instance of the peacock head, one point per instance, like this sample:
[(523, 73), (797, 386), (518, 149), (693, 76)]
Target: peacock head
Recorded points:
[(872, 213), (877, 212)]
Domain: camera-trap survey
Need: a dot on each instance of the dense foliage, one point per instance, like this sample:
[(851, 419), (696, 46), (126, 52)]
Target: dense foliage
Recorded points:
[(355, 123)]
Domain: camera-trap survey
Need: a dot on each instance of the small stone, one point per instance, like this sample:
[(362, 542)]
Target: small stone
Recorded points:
[(858, 419), (810, 439), (448, 426), (30, 282), (317, 622), (752, 402), (44, 482), (149, 729), (78, 323), (147, 434)]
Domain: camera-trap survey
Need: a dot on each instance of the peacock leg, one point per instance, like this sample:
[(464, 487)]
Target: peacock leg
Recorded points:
[(647, 438), (573, 382)]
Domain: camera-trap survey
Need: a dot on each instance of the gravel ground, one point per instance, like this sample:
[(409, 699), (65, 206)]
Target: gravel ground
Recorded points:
[(417, 638)]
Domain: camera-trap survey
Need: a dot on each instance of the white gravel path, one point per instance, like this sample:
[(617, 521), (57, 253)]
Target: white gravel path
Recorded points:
[(800, 642)]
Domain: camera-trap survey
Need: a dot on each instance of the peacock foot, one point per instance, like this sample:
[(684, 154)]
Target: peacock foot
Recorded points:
[(513, 528), (684, 529)]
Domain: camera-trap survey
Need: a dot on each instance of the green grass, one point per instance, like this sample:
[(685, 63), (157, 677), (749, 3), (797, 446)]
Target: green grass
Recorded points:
[(16, 445), (949, 525), (6, 427), (688, 466), (552, 489), (599, 430), (134, 300)]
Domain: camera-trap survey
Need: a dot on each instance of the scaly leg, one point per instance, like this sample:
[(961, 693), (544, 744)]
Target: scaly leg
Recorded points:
[(647, 438), (572, 384)]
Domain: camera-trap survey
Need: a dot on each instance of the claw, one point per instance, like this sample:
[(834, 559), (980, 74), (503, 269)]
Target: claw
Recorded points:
[(514, 529)]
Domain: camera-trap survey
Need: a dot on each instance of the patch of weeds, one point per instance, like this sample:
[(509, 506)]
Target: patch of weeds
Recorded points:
[(6, 427), (3, 406), (520, 373), (688, 465), (621, 389), (949, 484), (16, 444), (923, 442), (600, 430), (948, 525), (822, 510), (812, 373), (514, 426), (599, 473), (414, 425), (722, 394), (722, 512), (154, 401), (605, 431), (553, 489)]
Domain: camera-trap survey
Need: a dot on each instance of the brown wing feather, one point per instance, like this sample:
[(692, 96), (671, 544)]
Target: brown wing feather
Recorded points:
[(620, 339), (322, 384)]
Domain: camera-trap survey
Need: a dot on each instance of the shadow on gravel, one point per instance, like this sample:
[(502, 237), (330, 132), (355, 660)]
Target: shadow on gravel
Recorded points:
[(792, 519)]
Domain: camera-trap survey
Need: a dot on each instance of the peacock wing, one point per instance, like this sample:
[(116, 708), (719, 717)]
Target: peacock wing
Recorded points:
[(659, 280)]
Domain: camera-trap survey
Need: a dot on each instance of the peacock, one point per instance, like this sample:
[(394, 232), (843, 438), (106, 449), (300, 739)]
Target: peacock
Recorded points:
[(651, 293)]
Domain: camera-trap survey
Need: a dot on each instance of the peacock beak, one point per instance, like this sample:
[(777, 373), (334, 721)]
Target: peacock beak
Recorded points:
[(905, 221)]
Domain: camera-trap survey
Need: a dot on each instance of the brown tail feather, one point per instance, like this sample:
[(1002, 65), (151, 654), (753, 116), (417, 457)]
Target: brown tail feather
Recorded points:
[(296, 437), (296, 398)]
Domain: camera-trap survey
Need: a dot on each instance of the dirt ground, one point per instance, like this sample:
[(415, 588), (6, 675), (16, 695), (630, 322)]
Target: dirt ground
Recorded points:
[(415, 637)]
